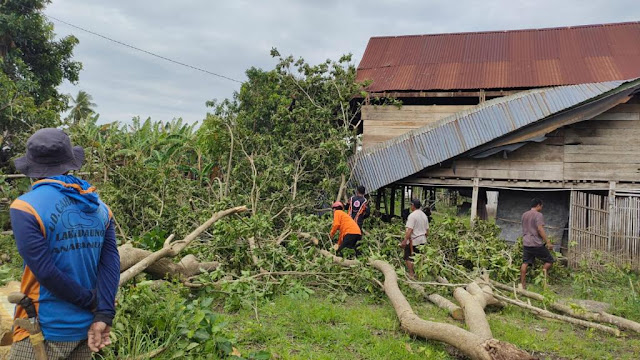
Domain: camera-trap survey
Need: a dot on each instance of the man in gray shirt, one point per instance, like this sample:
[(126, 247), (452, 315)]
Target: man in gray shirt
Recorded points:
[(415, 235), (534, 239)]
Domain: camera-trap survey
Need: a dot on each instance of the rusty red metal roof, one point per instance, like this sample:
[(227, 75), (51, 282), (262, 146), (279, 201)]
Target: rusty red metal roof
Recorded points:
[(503, 59)]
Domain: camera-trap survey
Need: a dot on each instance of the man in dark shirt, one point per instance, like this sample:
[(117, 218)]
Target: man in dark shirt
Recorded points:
[(534, 239), (359, 206)]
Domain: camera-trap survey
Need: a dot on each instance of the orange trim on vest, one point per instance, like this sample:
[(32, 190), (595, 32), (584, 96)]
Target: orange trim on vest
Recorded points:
[(31, 287), (26, 207), (74, 186)]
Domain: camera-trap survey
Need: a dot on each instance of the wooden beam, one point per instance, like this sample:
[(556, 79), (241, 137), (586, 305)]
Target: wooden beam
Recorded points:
[(440, 94), (379, 195), (612, 204), (404, 191), (488, 183), (474, 201), (392, 202)]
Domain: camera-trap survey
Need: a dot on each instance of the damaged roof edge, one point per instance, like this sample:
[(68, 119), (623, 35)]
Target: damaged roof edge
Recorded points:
[(403, 156)]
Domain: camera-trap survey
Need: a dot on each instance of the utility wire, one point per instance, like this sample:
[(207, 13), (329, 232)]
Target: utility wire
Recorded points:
[(141, 50)]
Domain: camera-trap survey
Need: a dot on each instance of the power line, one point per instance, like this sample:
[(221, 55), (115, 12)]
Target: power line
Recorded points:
[(141, 50)]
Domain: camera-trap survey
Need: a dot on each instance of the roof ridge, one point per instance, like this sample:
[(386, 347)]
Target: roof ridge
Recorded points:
[(510, 31)]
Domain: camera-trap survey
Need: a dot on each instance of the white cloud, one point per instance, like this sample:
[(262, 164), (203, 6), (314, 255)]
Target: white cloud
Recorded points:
[(228, 37)]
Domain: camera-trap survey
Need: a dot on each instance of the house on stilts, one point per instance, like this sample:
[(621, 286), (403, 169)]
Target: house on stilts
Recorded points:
[(549, 113)]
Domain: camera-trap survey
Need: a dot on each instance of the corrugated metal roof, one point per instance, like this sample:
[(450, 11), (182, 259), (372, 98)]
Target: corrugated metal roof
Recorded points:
[(503, 59), (393, 160)]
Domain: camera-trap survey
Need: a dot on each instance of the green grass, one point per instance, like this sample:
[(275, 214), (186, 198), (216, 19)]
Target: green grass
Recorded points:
[(361, 328), (10, 260), (317, 328)]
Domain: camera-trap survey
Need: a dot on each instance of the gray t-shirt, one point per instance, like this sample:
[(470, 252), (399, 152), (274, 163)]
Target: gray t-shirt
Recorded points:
[(530, 222), (419, 222)]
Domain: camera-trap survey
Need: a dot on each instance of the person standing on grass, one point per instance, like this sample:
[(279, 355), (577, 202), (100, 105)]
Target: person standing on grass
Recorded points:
[(534, 240), (66, 237), (415, 235), (359, 206), (350, 232)]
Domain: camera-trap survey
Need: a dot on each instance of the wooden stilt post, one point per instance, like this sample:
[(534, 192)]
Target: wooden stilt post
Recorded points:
[(379, 195), (474, 201), (392, 205), (612, 204), (403, 189)]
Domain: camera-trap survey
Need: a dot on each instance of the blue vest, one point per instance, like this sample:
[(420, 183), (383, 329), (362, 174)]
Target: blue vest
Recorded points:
[(75, 222)]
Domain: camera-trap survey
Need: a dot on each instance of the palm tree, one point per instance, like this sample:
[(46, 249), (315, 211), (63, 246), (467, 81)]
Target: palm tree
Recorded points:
[(82, 107)]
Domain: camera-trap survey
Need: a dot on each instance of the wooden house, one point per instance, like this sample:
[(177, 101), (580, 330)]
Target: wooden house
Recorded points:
[(548, 113)]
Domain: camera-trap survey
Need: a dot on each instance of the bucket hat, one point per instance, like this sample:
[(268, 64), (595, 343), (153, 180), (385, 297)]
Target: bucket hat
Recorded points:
[(49, 153)]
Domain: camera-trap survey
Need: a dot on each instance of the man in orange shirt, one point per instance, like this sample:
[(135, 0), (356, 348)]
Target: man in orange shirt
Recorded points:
[(350, 232)]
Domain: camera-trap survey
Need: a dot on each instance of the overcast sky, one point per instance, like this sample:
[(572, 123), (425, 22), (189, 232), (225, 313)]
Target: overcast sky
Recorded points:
[(227, 37)]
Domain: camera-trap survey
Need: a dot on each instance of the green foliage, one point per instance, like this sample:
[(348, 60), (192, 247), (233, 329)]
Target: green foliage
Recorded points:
[(151, 317), (32, 65), (82, 107), (293, 128), (10, 260), (455, 248)]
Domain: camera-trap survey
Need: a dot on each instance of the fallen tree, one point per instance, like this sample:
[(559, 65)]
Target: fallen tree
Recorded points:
[(476, 343), (133, 261), (188, 266)]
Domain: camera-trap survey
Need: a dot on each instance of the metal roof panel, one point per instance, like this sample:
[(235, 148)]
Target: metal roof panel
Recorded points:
[(458, 133), (503, 59)]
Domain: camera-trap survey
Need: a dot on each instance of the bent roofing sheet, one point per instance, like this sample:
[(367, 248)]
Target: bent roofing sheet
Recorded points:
[(418, 149), (503, 59)]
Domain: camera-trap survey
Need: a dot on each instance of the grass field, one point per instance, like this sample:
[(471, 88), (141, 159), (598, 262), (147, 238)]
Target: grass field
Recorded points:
[(367, 328)]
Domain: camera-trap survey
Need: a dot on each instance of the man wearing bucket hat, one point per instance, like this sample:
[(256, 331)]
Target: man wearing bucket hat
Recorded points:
[(66, 237)]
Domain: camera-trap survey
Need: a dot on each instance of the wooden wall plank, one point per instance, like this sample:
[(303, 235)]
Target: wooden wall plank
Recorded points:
[(382, 123), (622, 157), (588, 140), (601, 149)]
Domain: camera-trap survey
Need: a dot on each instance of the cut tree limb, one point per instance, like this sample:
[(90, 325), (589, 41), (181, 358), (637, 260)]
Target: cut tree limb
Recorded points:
[(440, 301), (187, 267), (252, 248), (172, 249), (548, 314), (342, 188), (470, 344), (602, 317)]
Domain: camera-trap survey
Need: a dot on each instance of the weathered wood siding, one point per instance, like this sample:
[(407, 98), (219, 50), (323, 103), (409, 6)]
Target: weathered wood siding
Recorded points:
[(605, 148), (534, 161), (381, 123)]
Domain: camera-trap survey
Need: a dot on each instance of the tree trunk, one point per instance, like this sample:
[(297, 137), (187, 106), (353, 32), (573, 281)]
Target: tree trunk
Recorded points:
[(470, 344), (474, 314), (602, 317), (548, 314), (187, 267), (172, 249)]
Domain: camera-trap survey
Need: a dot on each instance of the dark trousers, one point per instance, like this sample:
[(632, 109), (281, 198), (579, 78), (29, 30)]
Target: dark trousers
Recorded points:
[(350, 241)]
